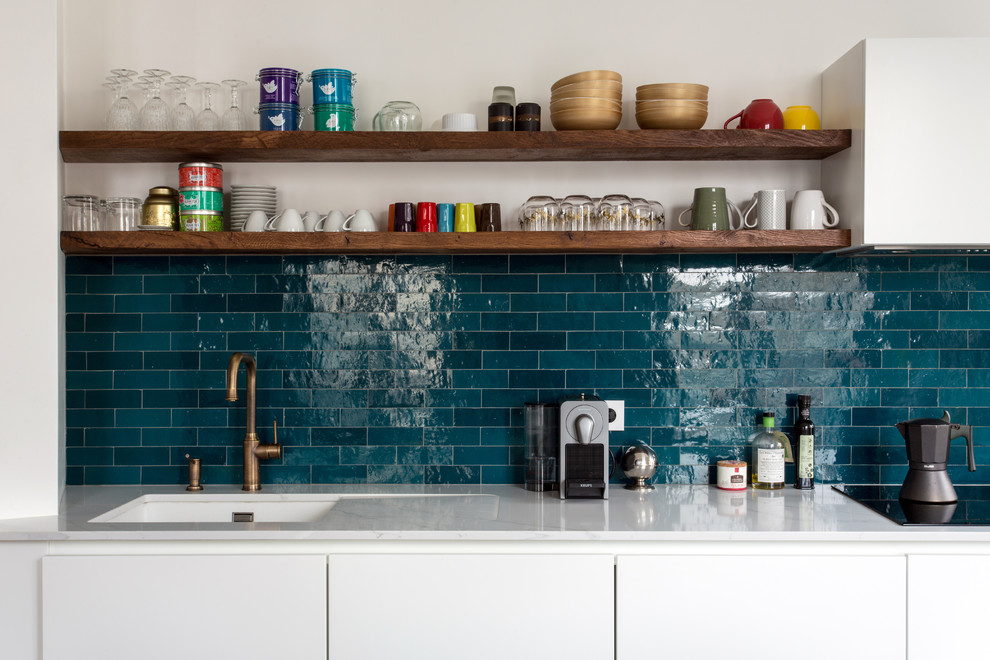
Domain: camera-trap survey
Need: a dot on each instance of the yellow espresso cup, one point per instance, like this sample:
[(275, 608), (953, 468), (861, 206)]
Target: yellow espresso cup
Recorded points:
[(801, 118), (464, 217)]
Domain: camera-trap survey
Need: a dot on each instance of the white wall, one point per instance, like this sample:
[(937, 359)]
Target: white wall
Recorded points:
[(31, 268), (446, 55)]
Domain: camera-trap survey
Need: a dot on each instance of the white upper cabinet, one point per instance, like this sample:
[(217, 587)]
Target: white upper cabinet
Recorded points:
[(920, 157)]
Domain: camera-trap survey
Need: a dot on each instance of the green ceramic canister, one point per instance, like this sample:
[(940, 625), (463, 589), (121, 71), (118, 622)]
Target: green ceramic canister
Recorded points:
[(201, 199), (333, 117), (200, 221)]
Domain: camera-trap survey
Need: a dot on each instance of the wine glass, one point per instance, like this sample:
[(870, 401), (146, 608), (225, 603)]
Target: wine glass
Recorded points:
[(155, 113), (234, 118), (122, 114), (183, 116), (207, 120)]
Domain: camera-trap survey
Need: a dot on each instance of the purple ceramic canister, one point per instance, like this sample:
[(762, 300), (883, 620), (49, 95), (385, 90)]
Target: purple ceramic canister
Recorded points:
[(279, 85)]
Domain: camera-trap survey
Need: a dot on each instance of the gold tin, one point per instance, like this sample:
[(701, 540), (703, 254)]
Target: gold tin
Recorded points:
[(161, 208)]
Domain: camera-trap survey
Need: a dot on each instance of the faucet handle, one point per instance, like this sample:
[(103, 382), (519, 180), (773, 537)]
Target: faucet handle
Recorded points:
[(270, 450)]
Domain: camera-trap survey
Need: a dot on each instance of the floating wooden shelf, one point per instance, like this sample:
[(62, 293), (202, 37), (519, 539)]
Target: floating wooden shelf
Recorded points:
[(322, 146), (510, 242)]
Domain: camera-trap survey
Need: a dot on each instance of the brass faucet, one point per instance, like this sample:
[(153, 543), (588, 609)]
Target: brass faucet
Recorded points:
[(254, 450)]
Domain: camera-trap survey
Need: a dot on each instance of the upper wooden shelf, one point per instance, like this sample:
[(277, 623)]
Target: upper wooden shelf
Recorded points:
[(509, 242), (323, 146)]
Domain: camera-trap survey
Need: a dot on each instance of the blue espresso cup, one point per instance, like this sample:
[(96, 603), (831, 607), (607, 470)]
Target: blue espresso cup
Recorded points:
[(445, 217)]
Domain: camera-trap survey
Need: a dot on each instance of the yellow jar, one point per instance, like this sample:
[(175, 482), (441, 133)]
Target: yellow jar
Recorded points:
[(161, 208)]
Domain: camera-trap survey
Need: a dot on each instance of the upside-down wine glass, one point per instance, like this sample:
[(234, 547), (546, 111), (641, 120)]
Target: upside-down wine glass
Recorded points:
[(122, 114), (207, 119), (234, 118), (183, 116), (155, 113)]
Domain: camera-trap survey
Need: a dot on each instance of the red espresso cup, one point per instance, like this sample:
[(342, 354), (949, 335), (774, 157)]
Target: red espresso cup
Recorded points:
[(761, 113), (426, 216)]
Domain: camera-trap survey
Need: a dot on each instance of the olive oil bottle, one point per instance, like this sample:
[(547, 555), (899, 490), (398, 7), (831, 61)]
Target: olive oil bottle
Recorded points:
[(768, 456), (804, 432)]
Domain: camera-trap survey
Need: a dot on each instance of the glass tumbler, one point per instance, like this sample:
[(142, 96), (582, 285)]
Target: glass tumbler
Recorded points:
[(122, 213), (640, 215), (577, 213), (541, 446), (81, 213), (614, 212), (539, 213)]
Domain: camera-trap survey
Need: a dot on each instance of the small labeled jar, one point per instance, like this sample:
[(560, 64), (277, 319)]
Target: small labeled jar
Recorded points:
[(731, 475), (500, 117), (528, 117)]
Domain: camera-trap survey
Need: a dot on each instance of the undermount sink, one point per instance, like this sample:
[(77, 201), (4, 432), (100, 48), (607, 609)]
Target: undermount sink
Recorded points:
[(195, 508), (286, 508)]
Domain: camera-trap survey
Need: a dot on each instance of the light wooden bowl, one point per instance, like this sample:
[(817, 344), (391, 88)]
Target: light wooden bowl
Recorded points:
[(682, 118), (585, 119), (600, 74), (610, 86), (672, 91), (590, 103), (577, 91)]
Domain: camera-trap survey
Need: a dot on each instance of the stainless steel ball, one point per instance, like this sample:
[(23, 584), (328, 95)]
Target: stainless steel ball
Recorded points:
[(639, 464)]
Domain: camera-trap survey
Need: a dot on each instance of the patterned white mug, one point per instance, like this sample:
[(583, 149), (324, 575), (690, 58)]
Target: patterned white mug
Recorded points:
[(771, 210)]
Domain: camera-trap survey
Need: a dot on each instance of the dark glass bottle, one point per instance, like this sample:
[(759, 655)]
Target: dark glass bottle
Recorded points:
[(804, 432)]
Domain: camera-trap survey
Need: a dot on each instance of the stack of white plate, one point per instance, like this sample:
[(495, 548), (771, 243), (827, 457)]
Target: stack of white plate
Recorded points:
[(245, 199)]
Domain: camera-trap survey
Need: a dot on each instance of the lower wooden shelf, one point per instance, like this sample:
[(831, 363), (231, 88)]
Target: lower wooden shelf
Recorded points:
[(510, 242)]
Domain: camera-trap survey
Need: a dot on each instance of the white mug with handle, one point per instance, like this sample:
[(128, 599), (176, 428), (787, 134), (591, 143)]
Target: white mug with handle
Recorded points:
[(287, 220), (360, 220), (771, 211), (332, 221), (810, 211)]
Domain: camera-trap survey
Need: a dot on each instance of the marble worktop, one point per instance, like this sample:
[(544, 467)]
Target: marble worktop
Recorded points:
[(508, 513)]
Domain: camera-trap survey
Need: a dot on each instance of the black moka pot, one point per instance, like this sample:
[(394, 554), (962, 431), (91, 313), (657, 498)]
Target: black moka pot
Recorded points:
[(928, 441)]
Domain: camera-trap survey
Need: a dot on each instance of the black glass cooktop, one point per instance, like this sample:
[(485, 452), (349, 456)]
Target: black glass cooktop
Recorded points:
[(973, 507)]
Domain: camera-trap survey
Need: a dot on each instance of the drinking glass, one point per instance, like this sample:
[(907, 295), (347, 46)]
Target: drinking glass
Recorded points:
[(613, 212), (640, 215), (155, 113), (183, 116), (234, 118), (577, 213), (207, 119), (81, 213), (539, 213), (121, 213), (122, 114), (659, 215)]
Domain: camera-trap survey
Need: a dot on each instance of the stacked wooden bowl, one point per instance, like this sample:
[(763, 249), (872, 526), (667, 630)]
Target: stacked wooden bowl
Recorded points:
[(587, 100), (671, 105)]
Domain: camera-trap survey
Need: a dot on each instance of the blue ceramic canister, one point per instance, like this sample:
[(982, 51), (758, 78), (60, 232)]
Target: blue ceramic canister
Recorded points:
[(333, 117), (332, 86), (279, 117), (201, 199), (279, 85)]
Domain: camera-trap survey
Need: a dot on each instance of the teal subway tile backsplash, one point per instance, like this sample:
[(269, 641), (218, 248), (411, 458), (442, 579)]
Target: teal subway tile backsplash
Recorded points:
[(415, 369)]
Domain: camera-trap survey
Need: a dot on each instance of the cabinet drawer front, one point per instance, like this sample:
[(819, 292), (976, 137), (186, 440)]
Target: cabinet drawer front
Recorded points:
[(471, 606), (162, 608)]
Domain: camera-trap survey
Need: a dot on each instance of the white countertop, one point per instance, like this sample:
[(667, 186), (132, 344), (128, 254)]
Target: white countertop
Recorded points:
[(505, 513)]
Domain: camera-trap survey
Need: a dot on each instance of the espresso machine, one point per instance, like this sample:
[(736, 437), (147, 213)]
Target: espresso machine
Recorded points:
[(584, 451), (928, 443)]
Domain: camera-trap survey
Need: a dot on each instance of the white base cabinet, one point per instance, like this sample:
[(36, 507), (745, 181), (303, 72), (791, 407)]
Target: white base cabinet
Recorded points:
[(947, 612), (247, 607), (759, 607), (483, 607)]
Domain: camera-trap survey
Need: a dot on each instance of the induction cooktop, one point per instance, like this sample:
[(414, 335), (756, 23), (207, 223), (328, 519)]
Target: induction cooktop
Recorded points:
[(973, 507)]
